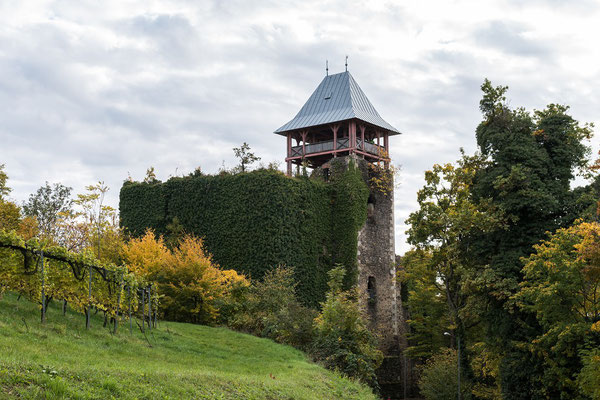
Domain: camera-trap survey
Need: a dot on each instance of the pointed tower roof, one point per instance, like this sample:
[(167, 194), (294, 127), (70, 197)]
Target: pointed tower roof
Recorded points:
[(337, 98)]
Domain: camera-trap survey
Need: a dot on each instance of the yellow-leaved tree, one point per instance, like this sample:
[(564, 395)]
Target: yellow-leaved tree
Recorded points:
[(191, 285)]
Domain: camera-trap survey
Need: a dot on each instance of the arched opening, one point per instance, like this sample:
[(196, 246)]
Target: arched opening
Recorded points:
[(371, 295), (370, 205)]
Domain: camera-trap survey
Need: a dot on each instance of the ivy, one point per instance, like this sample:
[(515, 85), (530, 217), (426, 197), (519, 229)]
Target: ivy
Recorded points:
[(254, 221)]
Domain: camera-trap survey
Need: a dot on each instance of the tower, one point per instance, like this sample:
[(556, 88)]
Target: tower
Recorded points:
[(338, 112), (339, 121)]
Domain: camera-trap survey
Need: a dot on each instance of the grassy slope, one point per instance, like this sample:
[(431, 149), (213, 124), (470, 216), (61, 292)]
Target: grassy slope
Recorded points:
[(63, 360)]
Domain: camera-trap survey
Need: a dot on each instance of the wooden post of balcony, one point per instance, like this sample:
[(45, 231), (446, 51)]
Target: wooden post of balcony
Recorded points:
[(378, 149), (335, 128), (352, 132), (289, 153), (386, 145), (304, 133), (386, 142), (362, 137)]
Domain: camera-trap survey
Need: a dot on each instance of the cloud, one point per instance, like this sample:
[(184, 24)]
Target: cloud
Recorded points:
[(511, 38), (97, 91)]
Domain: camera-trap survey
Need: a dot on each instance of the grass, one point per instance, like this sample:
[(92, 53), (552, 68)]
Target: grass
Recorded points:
[(61, 360)]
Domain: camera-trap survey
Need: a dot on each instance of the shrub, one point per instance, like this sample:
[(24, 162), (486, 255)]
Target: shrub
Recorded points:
[(191, 286), (439, 378), (342, 339), (271, 309)]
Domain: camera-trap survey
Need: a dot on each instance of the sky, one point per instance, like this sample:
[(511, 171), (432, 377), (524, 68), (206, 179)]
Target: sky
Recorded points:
[(101, 90)]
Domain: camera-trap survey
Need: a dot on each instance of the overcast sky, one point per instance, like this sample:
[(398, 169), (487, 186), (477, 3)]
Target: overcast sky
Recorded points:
[(100, 90)]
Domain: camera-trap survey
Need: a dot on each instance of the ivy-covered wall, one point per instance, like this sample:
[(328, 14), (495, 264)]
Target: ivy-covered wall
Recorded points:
[(254, 221)]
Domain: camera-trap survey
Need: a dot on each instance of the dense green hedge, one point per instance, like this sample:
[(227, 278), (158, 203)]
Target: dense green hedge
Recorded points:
[(253, 221)]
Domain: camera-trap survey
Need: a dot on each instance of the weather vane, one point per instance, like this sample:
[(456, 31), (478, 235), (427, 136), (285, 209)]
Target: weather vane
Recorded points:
[(346, 63), (327, 67)]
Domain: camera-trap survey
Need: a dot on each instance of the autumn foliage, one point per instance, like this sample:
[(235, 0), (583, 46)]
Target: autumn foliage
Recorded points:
[(191, 285)]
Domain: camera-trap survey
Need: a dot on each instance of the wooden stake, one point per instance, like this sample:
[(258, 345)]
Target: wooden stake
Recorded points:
[(129, 296), (118, 303), (150, 307), (43, 289), (89, 308), (143, 309)]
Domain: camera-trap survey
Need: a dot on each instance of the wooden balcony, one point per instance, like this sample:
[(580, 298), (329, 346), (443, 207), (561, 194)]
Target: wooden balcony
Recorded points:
[(327, 147)]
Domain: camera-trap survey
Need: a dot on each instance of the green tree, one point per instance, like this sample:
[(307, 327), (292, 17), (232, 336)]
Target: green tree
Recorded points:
[(561, 287), (46, 206), (4, 189), (151, 176), (446, 217), (531, 160), (427, 312), (245, 156), (10, 214), (101, 223)]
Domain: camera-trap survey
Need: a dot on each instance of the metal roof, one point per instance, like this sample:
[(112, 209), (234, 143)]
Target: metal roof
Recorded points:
[(337, 98)]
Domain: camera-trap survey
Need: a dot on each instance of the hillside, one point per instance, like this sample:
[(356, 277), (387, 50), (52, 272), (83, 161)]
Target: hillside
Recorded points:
[(63, 360)]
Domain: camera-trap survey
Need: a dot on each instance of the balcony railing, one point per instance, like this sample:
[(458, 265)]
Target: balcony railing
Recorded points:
[(342, 143)]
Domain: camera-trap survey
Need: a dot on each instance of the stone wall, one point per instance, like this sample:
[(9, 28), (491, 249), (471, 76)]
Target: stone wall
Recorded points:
[(379, 291)]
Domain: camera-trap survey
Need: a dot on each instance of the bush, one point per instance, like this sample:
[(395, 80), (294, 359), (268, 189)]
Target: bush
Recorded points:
[(439, 378), (191, 286), (271, 309), (342, 340)]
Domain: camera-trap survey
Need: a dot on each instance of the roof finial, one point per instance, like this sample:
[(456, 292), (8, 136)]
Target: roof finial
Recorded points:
[(327, 67), (346, 63)]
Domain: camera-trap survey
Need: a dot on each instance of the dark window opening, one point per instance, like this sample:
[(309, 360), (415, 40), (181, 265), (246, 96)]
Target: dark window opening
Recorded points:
[(371, 206), (371, 292)]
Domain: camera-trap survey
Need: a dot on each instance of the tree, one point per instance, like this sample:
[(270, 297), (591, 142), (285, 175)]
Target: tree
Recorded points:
[(103, 235), (10, 214), (428, 315), (46, 205), (530, 162), (11, 217), (561, 287), (4, 189), (245, 156), (151, 176), (446, 217)]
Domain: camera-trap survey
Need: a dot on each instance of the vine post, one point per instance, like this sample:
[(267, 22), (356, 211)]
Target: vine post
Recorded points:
[(143, 310), (89, 307), (155, 312), (118, 302), (43, 288), (129, 297), (150, 307)]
